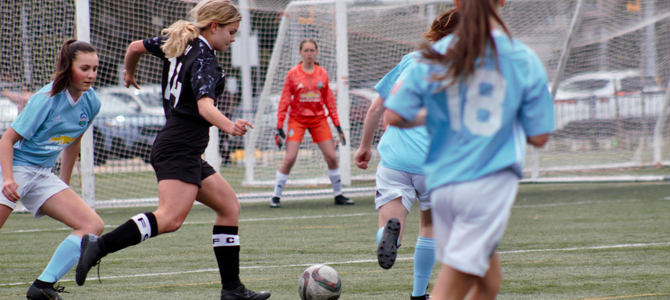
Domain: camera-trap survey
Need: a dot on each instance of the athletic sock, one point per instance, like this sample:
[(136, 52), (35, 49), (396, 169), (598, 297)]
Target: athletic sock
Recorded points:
[(42, 284), (136, 230), (424, 260), (379, 234), (226, 244), (280, 182), (66, 256), (336, 181)]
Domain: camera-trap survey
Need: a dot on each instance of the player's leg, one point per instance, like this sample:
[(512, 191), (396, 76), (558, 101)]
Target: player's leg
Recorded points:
[(424, 251), (5, 211), (394, 198), (67, 207), (175, 199), (321, 135), (217, 194), (282, 175), (488, 287), (469, 221), (296, 131)]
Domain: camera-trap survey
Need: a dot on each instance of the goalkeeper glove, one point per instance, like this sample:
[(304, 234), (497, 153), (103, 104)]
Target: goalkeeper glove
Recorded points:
[(342, 139), (280, 137)]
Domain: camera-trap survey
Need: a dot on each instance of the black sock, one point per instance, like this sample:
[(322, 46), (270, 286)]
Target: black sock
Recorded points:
[(43, 284), (134, 231), (227, 251)]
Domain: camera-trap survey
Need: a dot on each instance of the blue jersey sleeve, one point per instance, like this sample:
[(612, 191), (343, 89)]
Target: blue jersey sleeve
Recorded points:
[(537, 108), (33, 115), (385, 85), (153, 45), (406, 98)]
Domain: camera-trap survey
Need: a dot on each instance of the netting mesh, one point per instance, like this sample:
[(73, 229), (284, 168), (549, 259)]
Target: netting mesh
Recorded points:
[(605, 116)]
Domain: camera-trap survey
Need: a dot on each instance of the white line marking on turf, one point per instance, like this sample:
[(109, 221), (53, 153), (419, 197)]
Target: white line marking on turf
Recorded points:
[(359, 261)]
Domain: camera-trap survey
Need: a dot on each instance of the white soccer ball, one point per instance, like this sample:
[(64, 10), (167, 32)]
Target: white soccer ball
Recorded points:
[(319, 282)]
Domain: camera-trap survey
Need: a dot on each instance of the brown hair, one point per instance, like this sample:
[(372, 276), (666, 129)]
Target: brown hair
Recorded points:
[(68, 53), (222, 12), (471, 38), (445, 24), (316, 47)]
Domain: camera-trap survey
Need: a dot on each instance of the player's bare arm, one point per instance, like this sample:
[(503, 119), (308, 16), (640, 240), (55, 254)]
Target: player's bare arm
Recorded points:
[(208, 111), (69, 157), (395, 119), (133, 55), (9, 187), (375, 113)]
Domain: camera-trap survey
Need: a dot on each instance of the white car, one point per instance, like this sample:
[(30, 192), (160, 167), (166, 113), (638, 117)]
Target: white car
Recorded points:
[(8, 113), (604, 85), (147, 100)]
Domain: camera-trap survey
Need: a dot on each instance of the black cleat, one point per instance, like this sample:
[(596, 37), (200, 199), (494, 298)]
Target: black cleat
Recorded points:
[(424, 297), (388, 244), (90, 255), (35, 293), (241, 293), (341, 200), (275, 203)]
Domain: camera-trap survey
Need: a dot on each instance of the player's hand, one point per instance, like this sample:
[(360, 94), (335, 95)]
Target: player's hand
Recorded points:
[(342, 139), (129, 80), (362, 158), (280, 137), (9, 190), (240, 127)]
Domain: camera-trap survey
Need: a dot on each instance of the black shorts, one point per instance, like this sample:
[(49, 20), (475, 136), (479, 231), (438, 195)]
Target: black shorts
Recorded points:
[(191, 169)]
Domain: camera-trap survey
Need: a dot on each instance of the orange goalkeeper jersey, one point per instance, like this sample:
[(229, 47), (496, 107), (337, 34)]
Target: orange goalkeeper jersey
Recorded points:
[(306, 94)]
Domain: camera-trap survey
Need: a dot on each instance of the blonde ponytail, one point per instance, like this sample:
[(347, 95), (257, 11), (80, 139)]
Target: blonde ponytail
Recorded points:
[(179, 35), (222, 12)]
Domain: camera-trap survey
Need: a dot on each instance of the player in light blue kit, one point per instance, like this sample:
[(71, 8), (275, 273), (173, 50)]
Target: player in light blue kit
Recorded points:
[(400, 180), (52, 122), (482, 95)]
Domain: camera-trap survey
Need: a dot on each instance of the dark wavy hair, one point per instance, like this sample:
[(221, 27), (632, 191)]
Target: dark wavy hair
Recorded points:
[(471, 40)]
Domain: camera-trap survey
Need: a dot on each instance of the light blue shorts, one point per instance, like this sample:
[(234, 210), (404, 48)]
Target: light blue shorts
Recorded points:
[(470, 218), (392, 183), (36, 186)]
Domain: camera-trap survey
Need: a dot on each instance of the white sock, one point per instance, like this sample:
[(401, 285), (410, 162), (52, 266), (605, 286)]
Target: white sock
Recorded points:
[(336, 181), (280, 182)]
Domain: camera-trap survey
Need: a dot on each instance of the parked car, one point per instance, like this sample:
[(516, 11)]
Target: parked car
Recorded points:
[(119, 131), (147, 100), (8, 113), (604, 85)]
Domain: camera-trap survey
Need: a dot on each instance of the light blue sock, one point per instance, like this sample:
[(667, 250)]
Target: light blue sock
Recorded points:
[(424, 259), (65, 257), (379, 234)]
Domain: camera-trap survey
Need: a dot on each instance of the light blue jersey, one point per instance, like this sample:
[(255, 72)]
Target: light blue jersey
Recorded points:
[(49, 124), (402, 149), (478, 126)]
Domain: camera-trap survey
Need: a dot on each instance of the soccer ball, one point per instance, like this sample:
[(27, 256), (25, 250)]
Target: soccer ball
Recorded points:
[(319, 282)]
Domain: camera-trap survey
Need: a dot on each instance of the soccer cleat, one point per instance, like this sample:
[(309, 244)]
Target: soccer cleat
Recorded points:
[(35, 293), (241, 293), (275, 203), (90, 255), (388, 244), (341, 200), (424, 297)]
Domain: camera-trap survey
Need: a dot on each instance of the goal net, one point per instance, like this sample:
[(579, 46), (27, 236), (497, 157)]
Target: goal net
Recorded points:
[(609, 102)]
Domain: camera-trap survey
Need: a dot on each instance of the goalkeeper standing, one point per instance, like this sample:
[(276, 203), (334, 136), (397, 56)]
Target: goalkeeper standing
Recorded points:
[(306, 90)]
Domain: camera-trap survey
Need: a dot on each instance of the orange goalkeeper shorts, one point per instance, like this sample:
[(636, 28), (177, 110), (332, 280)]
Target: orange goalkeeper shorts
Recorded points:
[(318, 128)]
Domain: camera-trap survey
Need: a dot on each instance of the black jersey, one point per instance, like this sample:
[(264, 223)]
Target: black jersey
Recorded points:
[(187, 79)]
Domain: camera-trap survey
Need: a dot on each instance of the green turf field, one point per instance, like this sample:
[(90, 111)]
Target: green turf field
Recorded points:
[(579, 241)]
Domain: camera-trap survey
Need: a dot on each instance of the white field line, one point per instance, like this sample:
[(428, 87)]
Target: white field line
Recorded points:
[(635, 245), (335, 216)]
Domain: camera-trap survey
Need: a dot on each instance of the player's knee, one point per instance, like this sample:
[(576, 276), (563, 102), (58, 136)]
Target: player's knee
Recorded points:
[(172, 225), (332, 162), (289, 161), (97, 227), (230, 211)]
